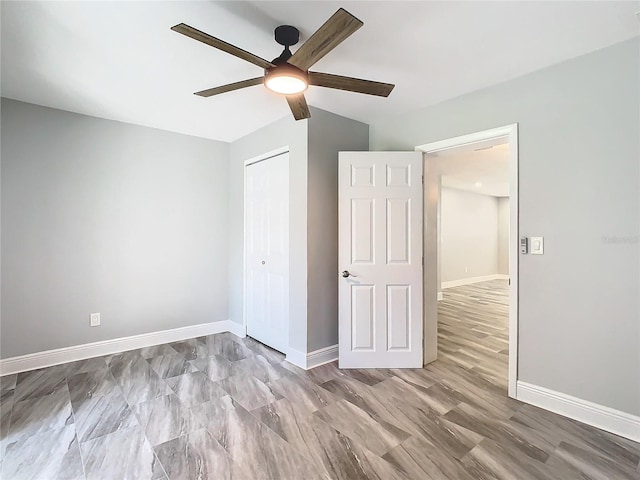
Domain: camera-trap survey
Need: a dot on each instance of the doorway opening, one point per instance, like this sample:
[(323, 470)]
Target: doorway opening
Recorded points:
[(471, 238)]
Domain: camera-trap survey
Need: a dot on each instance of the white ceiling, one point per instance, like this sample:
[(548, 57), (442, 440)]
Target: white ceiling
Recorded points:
[(120, 60), (482, 167)]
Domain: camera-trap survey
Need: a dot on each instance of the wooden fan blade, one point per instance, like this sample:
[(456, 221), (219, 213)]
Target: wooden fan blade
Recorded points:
[(334, 31), (350, 84), (210, 92), (221, 45), (298, 105)]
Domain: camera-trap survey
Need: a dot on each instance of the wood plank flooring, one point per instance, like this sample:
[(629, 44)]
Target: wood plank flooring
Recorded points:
[(221, 407), (473, 328)]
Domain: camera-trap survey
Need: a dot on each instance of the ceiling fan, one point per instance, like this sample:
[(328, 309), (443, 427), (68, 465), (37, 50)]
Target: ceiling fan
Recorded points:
[(289, 73)]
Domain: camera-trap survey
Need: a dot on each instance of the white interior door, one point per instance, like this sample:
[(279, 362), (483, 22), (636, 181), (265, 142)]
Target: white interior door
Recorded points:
[(267, 251), (380, 247)]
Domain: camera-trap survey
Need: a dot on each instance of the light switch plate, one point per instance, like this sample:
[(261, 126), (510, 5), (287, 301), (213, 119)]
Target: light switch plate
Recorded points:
[(536, 245)]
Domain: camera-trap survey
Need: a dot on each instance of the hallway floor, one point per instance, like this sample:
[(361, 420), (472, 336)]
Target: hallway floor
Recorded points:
[(473, 328), (221, 407)]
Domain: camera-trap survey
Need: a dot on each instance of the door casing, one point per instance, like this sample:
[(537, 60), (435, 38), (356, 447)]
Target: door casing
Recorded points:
[(431, 248)]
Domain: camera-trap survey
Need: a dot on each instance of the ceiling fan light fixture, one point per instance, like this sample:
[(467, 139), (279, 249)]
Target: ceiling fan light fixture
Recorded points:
[(286, 80), (288, 74)]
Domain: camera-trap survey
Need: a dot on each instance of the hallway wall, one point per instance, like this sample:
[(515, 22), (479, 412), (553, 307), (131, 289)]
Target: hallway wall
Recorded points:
[(469, 235)]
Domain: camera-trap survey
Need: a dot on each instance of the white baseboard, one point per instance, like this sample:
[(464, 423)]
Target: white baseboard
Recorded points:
[(313, 359), (238, 329), (48, 358), (298, 358), (470, 280), (322, 356), (599, 416)]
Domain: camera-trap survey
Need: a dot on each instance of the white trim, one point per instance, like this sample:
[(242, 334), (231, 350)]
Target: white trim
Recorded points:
[(297, 357), (466, 139), (440, 295), (514, 257), (238, 329), (57, 356), (265, 156), (470, 280), (322, 356), (511, 132), (599, 416), (313, 359), (244, 245)]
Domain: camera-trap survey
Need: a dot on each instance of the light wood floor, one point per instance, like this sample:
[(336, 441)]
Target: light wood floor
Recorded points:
[(473, 328), (223, 408)]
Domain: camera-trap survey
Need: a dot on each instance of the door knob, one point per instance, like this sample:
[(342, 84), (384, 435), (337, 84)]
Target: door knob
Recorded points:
[(346, 274)]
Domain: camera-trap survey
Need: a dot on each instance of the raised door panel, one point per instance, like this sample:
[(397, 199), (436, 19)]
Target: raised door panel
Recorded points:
[(363, 317), (362, 230), (398, 238), (398, 317)]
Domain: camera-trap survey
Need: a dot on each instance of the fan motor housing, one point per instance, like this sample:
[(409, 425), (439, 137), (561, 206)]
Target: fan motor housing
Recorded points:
[(287, 35)]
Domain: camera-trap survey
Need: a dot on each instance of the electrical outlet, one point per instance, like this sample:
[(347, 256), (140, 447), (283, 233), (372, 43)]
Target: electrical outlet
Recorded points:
[(95, 319)]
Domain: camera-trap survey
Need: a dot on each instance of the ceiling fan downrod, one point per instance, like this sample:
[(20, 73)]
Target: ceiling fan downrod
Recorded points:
[(287, 36)]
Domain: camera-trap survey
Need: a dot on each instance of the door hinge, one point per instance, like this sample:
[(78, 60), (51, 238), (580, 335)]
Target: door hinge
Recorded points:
[(423, 261), (423, 179)]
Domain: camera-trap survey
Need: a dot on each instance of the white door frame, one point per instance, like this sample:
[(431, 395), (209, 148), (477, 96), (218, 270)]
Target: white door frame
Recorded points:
[(511, 132), (259, 158)]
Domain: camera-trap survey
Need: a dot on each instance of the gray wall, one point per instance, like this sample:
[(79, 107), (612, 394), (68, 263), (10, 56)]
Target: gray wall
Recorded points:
[(579, 188), (102, 216), (313, 175), (469, 235), (284, 132), (503, 235), (328, 135)]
